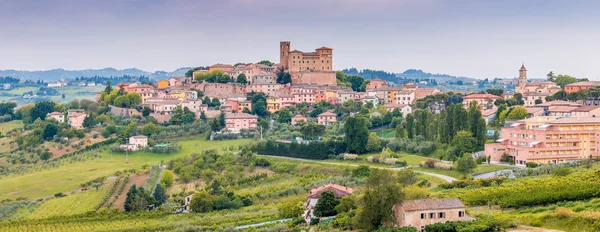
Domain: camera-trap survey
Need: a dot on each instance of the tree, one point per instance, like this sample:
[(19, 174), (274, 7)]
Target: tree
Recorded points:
[(7, 108), (346, 204), (562, 80), (407, 177), (146, 112), (40, 110), (160, 194), (283, 77), (538, 101), (379, 196), (466, 163), (108, 89), (50, 131), (202, 202), (497, 92), (373, 143), (464, 141), (203, 116), (215, 125), (326, 204), (260, 108), (167, 178), (284, 116), (518, 113), (241, 79), (265, 62), (130, 199), (355, 81), (357, 134), (312, 130), (89, 121), (400, 133), (122, 101), (410, 126), (149, 129), (264, 124), (361, 171)]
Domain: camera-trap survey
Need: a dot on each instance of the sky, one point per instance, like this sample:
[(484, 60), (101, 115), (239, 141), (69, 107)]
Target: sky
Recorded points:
[(473, 38)]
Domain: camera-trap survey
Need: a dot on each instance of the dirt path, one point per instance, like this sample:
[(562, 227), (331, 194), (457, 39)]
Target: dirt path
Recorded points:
[(114, 193), (139, 180)]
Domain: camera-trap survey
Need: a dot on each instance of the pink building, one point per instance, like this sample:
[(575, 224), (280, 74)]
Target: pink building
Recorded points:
[(76, 120), (547, 139), (238, 121), (422, 212), (326, 118)]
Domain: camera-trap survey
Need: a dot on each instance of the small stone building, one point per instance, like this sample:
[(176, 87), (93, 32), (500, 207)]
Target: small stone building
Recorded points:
[(422, 212), (315, 193)]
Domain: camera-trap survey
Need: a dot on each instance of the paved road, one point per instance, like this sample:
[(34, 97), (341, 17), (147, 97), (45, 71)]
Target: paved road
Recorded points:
[(444, 177), (262, 223)]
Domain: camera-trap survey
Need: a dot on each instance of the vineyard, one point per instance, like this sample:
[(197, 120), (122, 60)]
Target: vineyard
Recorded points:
[(146, 221), (533, 191), (79, 203)]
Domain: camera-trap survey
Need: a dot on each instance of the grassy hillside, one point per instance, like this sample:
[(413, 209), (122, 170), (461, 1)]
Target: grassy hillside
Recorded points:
[(69, 176)]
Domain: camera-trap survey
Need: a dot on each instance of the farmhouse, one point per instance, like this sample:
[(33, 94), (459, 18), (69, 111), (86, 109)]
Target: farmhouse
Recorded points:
[(422, 212)]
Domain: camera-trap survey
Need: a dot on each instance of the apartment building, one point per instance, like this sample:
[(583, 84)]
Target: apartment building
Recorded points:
[(547, 139)]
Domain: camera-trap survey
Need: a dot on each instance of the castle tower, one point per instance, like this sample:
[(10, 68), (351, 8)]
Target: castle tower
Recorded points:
[(284, 50)]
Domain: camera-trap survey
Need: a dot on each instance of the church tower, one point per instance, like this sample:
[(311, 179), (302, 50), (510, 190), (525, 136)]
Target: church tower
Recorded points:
[(284, 56), (523, 75)]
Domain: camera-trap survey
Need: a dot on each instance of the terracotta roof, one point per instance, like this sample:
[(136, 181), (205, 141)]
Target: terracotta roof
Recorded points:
[(561, 108), (531, 110), (221, 66), (239, 115), (558, 103), (481, 96), (295, 51), (55, 113), (338, 190), (585, 108), (577, 120), (298, 116), (139, 137), (327, 114), (523, 67), (76, 114), (432, 204), (323, 48), (535, 94), (489, 112), (585, 83)]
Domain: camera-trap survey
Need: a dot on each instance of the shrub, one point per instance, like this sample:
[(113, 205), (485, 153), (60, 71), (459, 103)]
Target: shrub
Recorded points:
[(57, 195), (531, 164), (348, 156), (429, 163), (390, 160), (561, 171), (373, 159)]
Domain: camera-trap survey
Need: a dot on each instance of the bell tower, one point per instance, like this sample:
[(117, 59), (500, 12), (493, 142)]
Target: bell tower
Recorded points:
[(522, 75), (284, 54)]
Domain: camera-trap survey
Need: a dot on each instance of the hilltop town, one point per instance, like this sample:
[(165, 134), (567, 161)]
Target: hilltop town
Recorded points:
[(298, 146)]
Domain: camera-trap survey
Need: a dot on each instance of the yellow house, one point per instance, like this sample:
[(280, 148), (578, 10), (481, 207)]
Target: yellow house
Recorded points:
[(178, 95), (273, 104), (330, 93), (391, 96), (162, 84)]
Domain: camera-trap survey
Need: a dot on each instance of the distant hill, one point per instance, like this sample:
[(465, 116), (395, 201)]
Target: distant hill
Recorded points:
[(57, 74), (406, 75)]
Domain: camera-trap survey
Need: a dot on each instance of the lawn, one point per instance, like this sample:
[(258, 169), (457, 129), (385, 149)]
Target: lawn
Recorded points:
[(69, 177), (386, 133), (71, 92)]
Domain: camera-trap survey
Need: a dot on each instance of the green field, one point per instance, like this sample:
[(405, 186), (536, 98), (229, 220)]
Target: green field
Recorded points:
[(386, 133), (71, 93), (8, 126), (78, 203), (69, 177)]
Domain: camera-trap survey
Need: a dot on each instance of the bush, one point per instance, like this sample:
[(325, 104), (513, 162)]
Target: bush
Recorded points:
[(312, 150), (531, 164), (57, 195), (262, 162), (561, 171), (348, 156)]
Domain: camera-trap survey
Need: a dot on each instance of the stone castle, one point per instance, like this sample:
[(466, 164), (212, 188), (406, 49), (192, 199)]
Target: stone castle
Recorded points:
[(308, 67)]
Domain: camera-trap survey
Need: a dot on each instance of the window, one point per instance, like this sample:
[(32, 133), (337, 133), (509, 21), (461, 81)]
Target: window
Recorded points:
[(422, 216), (441, 215), (461, 213), (431, 215)]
